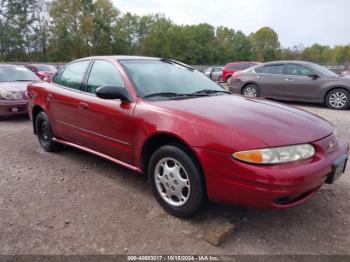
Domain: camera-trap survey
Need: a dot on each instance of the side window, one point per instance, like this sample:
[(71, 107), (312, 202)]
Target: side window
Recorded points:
[(298, 70), (258, 69), (234, 66), (273, 69), (57, 77), (72, 75), (103, 73), (245, 66)]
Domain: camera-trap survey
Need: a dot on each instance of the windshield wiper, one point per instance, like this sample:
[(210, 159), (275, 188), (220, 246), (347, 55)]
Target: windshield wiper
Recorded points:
[(171, 61), (171, 94), (211, 91)]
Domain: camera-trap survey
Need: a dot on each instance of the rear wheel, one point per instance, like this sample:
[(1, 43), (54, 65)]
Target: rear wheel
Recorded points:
[(176, 181), (251, 91), (44, 133), (338, 99)]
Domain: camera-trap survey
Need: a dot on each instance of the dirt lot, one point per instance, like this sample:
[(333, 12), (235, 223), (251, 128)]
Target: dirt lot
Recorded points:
[(75, 203)]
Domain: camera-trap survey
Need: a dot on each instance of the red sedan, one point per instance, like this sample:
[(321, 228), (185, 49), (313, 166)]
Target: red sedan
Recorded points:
[(43, 71), (232, 68), (188, 135)]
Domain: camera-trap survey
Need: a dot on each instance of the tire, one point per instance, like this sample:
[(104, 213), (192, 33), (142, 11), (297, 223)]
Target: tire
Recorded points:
[(338, 99), (227, 80), (176, 181), (251, 90), (44, 133)]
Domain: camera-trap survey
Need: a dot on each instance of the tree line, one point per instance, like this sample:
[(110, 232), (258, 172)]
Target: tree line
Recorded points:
[(63, 30)]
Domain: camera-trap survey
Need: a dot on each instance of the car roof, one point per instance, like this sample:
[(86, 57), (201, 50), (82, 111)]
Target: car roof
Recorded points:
[(244, 62), (120, 57), (288, 61)]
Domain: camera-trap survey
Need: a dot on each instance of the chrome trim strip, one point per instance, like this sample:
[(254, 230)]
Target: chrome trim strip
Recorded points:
[(96, 134), (134, 168)]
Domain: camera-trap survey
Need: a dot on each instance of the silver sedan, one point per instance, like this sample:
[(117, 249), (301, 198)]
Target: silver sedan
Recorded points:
[(214, 73)]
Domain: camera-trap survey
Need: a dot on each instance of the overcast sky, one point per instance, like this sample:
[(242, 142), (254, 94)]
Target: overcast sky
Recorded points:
[(296, 21)]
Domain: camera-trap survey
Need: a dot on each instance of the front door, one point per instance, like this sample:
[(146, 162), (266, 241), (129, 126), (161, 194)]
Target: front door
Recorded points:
[(106, 126), (298, 85)]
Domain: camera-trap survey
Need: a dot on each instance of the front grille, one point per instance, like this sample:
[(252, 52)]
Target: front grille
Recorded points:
[(19, 109)]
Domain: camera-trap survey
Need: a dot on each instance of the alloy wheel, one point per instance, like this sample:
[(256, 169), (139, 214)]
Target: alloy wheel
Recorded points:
[(250, 92), (338, 99), (172, 182)]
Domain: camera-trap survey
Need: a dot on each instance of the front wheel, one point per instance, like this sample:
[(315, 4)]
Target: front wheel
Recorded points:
[(44, 133), (338, 99), (251, 91), (176, 181)]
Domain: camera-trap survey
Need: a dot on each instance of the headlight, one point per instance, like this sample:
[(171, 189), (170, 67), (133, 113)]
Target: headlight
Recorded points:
[(9, 95), (276, 155)]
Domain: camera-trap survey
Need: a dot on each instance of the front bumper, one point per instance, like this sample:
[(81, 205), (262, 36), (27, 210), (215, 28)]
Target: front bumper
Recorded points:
[(262, 186), (13, 107)]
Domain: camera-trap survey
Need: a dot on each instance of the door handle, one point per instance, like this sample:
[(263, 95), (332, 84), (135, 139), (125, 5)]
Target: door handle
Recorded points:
[(83, 106), (288, 80), (49, 97), (260, 77)]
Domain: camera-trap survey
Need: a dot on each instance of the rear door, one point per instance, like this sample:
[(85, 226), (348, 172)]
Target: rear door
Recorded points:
[(270, 78), (63, 99), (105, 126)]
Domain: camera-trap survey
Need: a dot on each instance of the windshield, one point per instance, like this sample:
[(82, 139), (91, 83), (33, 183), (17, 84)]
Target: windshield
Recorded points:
[(16, 73), (163, 76), (48, 68), (324, 71)]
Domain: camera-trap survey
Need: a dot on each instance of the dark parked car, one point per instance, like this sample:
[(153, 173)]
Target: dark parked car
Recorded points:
[(214, 73), (293, 81), (231, 68), (13, 86), (43, 71), (186, 133)]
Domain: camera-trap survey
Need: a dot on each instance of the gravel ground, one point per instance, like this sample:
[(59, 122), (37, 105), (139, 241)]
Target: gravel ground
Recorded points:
[(75, 203)]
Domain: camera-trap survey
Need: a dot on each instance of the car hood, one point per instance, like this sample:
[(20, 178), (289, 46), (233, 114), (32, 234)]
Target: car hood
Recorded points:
[(271, 123), (14, 86)]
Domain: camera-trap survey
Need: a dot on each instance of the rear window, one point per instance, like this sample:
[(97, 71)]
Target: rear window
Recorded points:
[(273, 69)]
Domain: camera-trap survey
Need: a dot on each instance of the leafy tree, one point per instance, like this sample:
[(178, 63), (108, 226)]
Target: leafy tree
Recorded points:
[(265, 44)]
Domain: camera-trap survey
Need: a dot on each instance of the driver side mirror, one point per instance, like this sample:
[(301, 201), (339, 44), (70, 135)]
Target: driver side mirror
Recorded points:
[(313, 76), (113, 92)]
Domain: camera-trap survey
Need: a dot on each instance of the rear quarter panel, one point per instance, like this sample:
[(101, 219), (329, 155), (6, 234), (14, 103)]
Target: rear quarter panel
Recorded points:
[(36, 97)]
